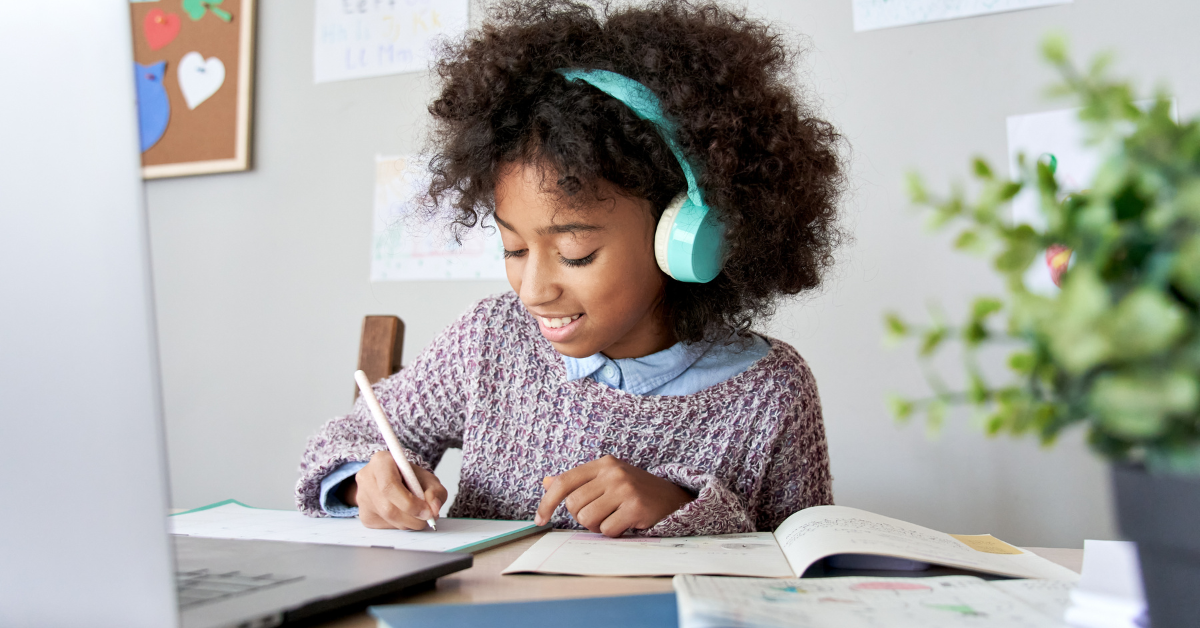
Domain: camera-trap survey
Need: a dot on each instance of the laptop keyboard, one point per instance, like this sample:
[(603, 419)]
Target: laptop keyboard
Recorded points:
[(202, 586)]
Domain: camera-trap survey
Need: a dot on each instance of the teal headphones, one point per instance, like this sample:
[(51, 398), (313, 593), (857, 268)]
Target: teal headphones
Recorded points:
[(689, 242)]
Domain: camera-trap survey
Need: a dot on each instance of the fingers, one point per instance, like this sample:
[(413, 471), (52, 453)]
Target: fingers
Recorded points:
[(435, 493), (595, 513), (560, 487), (618, 522), (401, 509), (582, 496), (384, 502)]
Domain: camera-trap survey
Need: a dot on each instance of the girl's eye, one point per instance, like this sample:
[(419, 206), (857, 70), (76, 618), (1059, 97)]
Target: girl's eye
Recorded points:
[(583, 261), (520, 253)]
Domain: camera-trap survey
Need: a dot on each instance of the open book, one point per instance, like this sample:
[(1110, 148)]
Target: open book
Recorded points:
[(800, 541)]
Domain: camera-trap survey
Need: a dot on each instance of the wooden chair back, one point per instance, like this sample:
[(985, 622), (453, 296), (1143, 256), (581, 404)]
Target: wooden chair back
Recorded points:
[(381, 346)]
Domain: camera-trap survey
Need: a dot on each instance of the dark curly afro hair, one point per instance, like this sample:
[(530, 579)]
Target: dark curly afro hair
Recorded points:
[(770, 168)]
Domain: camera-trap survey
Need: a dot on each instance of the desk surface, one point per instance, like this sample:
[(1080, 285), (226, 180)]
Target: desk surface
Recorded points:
[(483, 583)]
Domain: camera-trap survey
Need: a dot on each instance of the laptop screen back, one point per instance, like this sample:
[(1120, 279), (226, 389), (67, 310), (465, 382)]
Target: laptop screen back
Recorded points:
[(83, 536)]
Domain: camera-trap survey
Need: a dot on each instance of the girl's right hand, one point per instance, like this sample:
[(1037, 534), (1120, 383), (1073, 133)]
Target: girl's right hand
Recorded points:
[(385, 502)]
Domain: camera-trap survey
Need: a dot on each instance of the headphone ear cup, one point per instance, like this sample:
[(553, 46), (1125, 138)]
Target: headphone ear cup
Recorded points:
[(662, 233)]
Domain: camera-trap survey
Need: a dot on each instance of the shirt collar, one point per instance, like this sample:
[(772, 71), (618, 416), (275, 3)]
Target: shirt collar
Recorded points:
[(639, 375)]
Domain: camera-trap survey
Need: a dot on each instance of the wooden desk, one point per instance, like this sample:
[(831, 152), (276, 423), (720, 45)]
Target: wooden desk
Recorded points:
[(483, 583)]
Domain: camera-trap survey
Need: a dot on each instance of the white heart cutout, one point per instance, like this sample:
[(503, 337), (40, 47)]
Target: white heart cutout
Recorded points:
[(199, 79)]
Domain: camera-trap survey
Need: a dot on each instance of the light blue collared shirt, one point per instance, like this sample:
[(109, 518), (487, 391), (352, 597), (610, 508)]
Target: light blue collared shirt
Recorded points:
[(681, 369)]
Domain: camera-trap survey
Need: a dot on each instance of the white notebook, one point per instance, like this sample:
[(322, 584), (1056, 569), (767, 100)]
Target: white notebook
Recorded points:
[(233, 520), (800, 541)]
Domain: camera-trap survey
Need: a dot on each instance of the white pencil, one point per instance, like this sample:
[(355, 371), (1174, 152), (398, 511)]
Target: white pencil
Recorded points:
[(393, 443)]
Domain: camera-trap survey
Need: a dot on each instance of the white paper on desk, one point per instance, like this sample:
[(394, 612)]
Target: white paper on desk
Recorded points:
[(587, 554), (235, 521), (852, 602)]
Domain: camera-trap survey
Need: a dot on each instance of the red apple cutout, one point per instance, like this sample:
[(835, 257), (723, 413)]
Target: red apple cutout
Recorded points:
[(160, 28)]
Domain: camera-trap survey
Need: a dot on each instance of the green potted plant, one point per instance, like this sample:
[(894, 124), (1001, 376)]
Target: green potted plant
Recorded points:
[(1118, 348)]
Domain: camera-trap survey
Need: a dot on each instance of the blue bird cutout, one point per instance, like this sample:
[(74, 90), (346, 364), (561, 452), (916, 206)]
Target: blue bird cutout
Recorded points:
[(154, 109)]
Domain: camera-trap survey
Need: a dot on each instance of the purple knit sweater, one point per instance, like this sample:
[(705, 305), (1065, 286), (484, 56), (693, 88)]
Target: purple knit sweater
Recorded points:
[(752, 448)]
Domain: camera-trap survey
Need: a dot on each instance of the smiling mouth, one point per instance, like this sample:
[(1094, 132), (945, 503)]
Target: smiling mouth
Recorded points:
[(555, 323)]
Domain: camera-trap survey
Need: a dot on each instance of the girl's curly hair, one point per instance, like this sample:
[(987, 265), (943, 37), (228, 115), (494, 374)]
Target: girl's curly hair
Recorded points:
[(770, 168)]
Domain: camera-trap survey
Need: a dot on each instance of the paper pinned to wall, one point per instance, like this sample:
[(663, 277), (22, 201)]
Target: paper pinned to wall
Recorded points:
[(1060, 135), (871, 15), (362, 38), (404, 247)]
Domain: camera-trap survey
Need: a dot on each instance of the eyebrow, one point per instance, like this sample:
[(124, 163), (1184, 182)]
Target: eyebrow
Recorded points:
[(571, 227)]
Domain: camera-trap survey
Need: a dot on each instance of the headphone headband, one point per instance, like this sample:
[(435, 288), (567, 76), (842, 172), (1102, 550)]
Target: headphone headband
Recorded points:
[(646, 105), (689, 242)]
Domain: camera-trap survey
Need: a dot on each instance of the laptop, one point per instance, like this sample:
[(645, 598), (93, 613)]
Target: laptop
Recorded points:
[(83, 536)]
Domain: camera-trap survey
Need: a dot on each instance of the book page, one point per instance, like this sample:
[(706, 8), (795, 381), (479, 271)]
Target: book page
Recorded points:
[(587, 554), (851, 602), (235, 521), (814, 533)]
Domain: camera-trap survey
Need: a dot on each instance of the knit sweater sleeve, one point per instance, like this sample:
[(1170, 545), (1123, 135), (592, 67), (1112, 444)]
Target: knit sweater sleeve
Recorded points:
[(426, 403), (796, 476)]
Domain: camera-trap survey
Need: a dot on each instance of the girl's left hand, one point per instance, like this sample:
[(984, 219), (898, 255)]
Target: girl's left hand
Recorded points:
[(610, 496)]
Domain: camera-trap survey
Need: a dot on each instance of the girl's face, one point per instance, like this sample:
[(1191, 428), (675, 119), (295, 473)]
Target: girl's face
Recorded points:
[(586, 271)]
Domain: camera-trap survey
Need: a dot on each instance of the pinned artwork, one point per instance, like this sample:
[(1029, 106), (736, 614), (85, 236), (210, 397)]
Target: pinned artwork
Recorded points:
[(160, 28), (358, 39), (875, 14), (199, 78), (197, 9), (195, 108), (154, 109), (405, 247)]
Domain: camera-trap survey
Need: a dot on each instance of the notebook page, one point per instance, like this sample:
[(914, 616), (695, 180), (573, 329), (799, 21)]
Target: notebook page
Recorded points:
[(851, 602), (235, 521), (814, 533), (587, 554)]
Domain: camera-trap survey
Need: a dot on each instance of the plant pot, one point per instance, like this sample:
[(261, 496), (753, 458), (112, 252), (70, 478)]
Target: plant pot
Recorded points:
[(1161, 513)]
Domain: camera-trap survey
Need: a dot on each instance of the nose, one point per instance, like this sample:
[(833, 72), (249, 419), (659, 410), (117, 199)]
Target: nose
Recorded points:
[(539, 281)]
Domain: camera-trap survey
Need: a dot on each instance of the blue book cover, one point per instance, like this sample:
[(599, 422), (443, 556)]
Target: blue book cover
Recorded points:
[(655, 610)]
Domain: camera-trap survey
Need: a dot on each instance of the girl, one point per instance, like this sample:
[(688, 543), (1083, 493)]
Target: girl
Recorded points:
[(602, 392)]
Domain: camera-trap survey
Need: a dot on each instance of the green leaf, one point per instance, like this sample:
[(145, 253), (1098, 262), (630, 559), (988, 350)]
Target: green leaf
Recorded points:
[(895, 325), (977, 391), (1054, 48), (969, 241), (984, 307), (932, 339), (1022, 362), (975, 333), (1187, 267), (1022, 247), (1136, 405), (900, 408), (1010, 190), (1077, 339), (916, 189), (982, 169), (1146, 322)]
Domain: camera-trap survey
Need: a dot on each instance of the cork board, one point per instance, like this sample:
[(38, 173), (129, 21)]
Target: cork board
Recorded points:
[(193, 68)]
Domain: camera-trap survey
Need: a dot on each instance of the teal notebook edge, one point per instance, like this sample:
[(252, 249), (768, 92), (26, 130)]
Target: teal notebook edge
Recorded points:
[(654, 610), (470, 547)]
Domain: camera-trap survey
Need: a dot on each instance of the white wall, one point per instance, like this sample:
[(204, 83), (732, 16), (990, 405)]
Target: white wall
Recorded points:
[(262, 277)]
